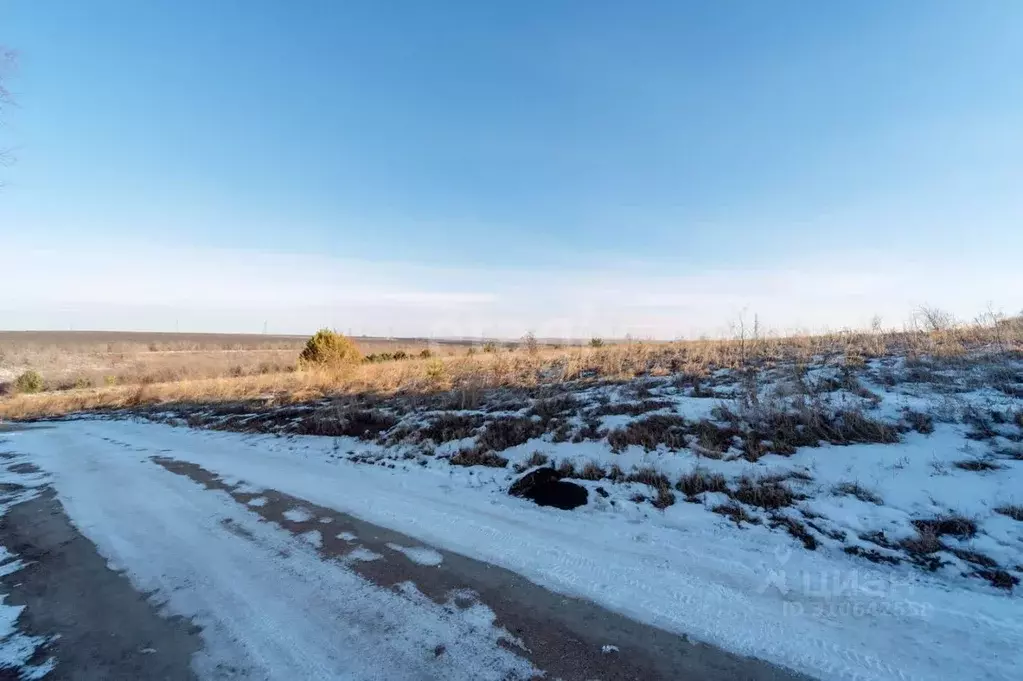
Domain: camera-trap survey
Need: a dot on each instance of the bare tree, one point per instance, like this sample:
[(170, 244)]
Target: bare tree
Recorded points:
[(7, 62), (934, 319)]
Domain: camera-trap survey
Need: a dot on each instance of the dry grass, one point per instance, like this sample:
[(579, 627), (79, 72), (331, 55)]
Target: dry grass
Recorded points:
[(1013, 511), (855, 489), (192, 368), (763, 493), (953, 525), (737, 512), (699, 481)]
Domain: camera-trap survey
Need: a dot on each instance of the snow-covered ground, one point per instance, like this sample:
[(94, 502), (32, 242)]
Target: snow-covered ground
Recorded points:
[(217, 564), (888, 549), (750, 590), (896, 461)]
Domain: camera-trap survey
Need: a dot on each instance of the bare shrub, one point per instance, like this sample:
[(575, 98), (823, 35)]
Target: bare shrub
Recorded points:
[(919, 421), (650, 432), (508, 432), (976, 465), (592, 471), (590, 430), (1012, 510), (999, 578), (664, 498), (530, 343), (855, 489), (477, 457), (552, 407), (953, 525), (700, 480), (649, 476), (934, 320), (773, 426), (630, 408), (535, 459), (447, 427), (737, 513), (795, 529), (364, 424), (712, 440), (766, 494)]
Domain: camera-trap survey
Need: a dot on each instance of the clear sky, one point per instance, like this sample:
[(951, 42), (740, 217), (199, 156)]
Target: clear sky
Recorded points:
[(467, 168)]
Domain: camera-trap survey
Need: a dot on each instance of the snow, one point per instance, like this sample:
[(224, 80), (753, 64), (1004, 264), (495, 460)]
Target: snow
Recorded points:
[(754, 590), (313, 537), (347, 536), (298, 515), (361, 553), (419, 554), (170, 536), (608, 649)]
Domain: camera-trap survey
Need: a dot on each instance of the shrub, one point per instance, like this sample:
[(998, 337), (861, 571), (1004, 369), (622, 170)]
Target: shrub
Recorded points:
[(596, 342), (509, 432), (857, 490), (699, 481), (737, 512), (1013, 511), (530, 343), (329, 349), (592, 471), (435, 369), (767, 494), (566, 469), (425, 353), (649, 476), (490, 346), (954, 525), (650, 432), (29, 382), (920, 422), (976, 465), (478, 457), (665, 498), (447, 427)]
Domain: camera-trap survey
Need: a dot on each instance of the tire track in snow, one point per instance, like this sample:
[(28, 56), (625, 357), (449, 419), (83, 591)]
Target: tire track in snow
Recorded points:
[(563, 637)]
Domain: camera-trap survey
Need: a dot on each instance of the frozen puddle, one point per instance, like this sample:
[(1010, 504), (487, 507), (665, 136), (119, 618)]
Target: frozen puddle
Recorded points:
[(419, 554)]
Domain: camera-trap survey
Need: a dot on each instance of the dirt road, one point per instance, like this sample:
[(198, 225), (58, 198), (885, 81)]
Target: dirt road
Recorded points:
[(176, 573)]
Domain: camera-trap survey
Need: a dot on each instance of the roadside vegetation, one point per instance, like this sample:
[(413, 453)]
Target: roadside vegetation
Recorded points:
[(288, 370), (753, 430)]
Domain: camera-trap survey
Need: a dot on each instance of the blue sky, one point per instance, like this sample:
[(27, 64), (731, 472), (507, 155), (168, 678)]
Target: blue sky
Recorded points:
[(477, 168)]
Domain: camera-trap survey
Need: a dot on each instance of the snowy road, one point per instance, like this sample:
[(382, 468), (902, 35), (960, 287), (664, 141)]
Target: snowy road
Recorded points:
[(251, 568)]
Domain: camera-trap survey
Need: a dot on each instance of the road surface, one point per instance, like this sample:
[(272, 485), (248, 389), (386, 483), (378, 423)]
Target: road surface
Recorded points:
[(129, 563)]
